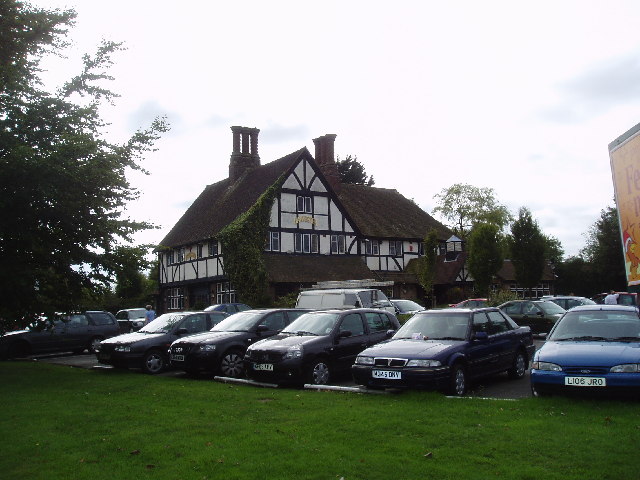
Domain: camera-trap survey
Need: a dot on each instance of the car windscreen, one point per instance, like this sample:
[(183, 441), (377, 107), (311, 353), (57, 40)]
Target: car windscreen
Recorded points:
[(239, 322), (162, 324), (550, 308), (597, 325), (407, 305), (314, 323), (440, 325)]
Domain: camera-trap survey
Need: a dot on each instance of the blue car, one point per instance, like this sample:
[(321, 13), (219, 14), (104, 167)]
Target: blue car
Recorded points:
[(591, 349), (445, 349)]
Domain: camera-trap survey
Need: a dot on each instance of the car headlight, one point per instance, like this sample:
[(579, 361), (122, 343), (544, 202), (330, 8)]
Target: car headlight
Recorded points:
[(548, 366), (293, 352), (364, 360), (123, 348), (207, 347), (626, 368), (423, 363)]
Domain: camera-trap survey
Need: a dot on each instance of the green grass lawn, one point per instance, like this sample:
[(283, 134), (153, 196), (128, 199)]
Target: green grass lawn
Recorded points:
[(66, 423)]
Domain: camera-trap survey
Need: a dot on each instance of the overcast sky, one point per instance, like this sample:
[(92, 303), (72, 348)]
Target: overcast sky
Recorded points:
[(521, 97)]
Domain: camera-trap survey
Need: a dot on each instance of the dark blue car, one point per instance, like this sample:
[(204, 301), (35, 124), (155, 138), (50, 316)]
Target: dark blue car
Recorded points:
[(445, 349), (591, 349)]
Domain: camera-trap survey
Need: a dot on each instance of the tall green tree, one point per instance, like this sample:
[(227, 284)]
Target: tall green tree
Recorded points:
[(427, 269), (553, 250), (603, 250), (352, 171), (527, 249), (485, 256), (464, 206), (63, 188)]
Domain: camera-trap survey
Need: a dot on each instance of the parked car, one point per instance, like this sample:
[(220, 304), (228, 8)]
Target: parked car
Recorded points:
[(131, 319), (318, 345), (445, 349), (624, 298), (470, 303), (222, 348), (229, 308), (74, 332), (148, 347), (591, 349), (344, 298), (406, 307), (540, 315), (570, 301)]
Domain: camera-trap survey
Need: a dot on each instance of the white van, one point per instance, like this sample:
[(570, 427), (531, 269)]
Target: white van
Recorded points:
[(344, 298)]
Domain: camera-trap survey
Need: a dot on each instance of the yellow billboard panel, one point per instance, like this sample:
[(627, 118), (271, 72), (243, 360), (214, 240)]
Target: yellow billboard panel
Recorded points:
[(624, 153)]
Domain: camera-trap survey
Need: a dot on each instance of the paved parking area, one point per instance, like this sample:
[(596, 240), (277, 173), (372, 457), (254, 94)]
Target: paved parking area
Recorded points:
[(497, 386)]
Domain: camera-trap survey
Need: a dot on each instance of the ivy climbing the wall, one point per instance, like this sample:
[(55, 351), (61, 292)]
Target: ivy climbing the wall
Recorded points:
[(243, 243)]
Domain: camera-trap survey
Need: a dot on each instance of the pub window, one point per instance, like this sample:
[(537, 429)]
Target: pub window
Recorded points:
[(170, 257), (176, 298), (372, 247), (337, 244), (199, 250), (225, 293), (395, 248), (181, 255), (213, 248), (306, 242), (273, 242), (304, 204)]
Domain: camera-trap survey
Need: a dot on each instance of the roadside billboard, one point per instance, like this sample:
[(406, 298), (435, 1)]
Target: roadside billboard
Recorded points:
[(624, 154)]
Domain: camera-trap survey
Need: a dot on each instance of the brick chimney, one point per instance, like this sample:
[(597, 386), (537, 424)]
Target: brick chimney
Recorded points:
[(244, 156), (326, 162)]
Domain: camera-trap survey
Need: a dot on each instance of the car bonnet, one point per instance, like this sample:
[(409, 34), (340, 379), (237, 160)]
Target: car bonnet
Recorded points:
[(412, 348), (594, 353)]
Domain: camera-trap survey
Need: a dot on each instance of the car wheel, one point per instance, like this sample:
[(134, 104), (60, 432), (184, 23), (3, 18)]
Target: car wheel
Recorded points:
[(93, 344), (458, 385), (153, 362), (231, 364), (319, 373), (519, 367)]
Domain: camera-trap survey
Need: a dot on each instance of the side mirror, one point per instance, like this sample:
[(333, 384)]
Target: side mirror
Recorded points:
[(344, 334), (390, 333), (261, 328), (481, 336), (182, 331)]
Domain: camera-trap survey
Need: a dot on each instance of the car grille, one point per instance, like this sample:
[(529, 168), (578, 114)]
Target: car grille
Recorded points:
[(182, 348), (586, 370), (264, 357), (389, 362)]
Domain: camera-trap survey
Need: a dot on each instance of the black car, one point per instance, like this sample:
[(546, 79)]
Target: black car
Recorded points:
[(75, 332), (540, 315), (148, 347), (444, 349), (221, 350), (318, 345)]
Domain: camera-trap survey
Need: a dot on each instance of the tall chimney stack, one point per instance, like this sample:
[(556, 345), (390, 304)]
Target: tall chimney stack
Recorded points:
[(325, 159), (244, 156)]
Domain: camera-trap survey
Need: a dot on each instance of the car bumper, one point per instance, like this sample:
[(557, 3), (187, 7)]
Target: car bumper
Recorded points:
[(420, 378), (120, 359), (543, 381), (196, 362), (288, 371)]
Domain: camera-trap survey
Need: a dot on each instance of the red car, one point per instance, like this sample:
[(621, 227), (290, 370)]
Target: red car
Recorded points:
[(470, 303)]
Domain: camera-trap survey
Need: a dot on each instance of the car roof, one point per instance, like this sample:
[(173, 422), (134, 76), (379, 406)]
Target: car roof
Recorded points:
[(600, 307)]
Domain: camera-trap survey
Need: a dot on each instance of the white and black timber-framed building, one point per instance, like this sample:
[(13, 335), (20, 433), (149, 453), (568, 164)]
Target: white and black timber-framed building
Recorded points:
[(320, 229)]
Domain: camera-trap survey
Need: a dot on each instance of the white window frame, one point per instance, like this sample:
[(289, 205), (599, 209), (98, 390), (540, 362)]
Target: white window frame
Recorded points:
[(338, 244), (273, 242), (306, 242), (304, 204)]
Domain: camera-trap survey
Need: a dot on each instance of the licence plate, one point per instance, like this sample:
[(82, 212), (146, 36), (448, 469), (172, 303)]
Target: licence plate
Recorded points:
[(177, 358), (585, 381), (393, 375), (263, 366)]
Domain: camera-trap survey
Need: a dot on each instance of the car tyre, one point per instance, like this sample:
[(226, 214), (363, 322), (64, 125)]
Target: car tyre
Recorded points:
[(519, 367), (93, 344), (231, 364), (153, 362), (458, 380), (319, 373)]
